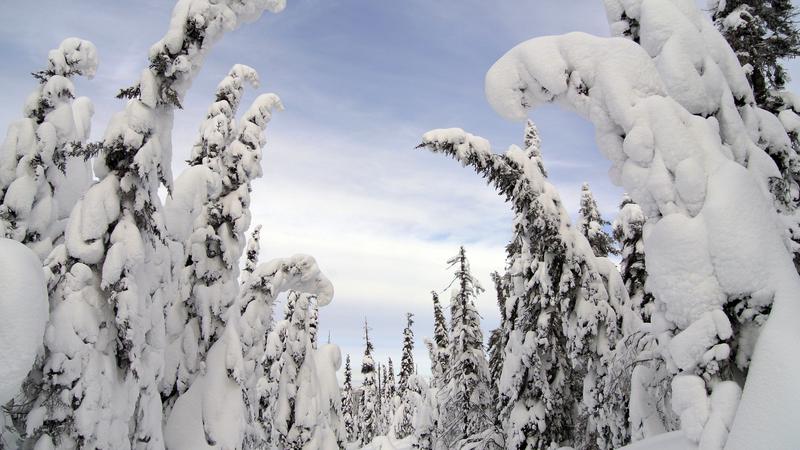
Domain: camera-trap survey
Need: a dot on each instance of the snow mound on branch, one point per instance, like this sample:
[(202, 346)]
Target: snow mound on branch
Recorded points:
[(23, 314)]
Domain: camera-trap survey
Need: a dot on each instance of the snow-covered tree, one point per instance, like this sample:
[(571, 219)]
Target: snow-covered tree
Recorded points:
[(253, 249), (407, 367), (439, 347), (466, 399), (628, 231), (41, 175), (207, 283), (388, 391), (368, 409), (718, 264), (591, 224), (762, 33), (497, 342), (286, 423), (313, 323), (559, 315), (347, 402), (405, 425), (226, 405), (104, 346)]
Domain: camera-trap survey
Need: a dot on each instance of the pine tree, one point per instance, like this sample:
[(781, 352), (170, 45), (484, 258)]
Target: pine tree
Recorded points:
[(390, 385), (591, 224), (108, 279), (466, 398), (557, 306), (367, 414), (347, 402), (762, 33), (42, 172), (628, 231), (388, 393)]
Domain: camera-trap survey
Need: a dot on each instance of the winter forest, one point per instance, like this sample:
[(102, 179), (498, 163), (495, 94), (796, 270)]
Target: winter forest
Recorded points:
[(625, 273)]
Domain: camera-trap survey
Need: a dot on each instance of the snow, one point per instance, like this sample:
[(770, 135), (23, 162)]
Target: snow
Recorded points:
[(24, 312), (668, 441)]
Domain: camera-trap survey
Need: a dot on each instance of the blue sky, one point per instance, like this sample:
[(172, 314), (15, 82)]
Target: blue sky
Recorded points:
[(361, 81)]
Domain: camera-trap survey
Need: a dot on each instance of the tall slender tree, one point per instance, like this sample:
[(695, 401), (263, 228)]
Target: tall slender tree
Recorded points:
[(347, 402), (368, 411), (467, 406), (439, 347), (628, 231)]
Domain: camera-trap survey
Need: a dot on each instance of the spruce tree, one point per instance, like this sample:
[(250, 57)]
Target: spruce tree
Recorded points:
[(286, 424), (368, 411), (439, 348), (103, 356), (405, 424), (497, 343), (347, 402), (628, 231), (591, 224), (253, 249), (43, 171), (466, 397), (313, 323), (407, 359), (762, 33), (558, 305)]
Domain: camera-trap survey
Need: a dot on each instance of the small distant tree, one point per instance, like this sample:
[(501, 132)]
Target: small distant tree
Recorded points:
[(405, 424), (439, 347), (368, 411), (347, 402), (592, 224)]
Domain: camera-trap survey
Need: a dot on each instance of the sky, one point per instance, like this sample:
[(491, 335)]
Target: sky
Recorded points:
[(361, 81)]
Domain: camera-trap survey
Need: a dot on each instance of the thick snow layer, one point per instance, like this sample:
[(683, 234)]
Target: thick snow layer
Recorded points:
[(667, 441), (23, 314)]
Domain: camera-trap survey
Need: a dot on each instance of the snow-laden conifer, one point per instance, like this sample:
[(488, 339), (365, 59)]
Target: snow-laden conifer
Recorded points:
[(368, 409), (465, 399), (559, 314), (41, 173), (439, 347), (404, 423), (592, 224), (104, 348), (348, 411)]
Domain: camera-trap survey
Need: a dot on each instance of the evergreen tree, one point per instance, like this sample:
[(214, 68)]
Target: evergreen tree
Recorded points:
[(558, 304), (313, 323), (466, 397), (628, 231), (439, 348), (42, 171), (591, 224), (762, 33), (194, 316), (390, 385), (367, 414), (497, 337), (407, 360), (286, 424), (405, 425), (253, 249), (347, 402), (108, 280)]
